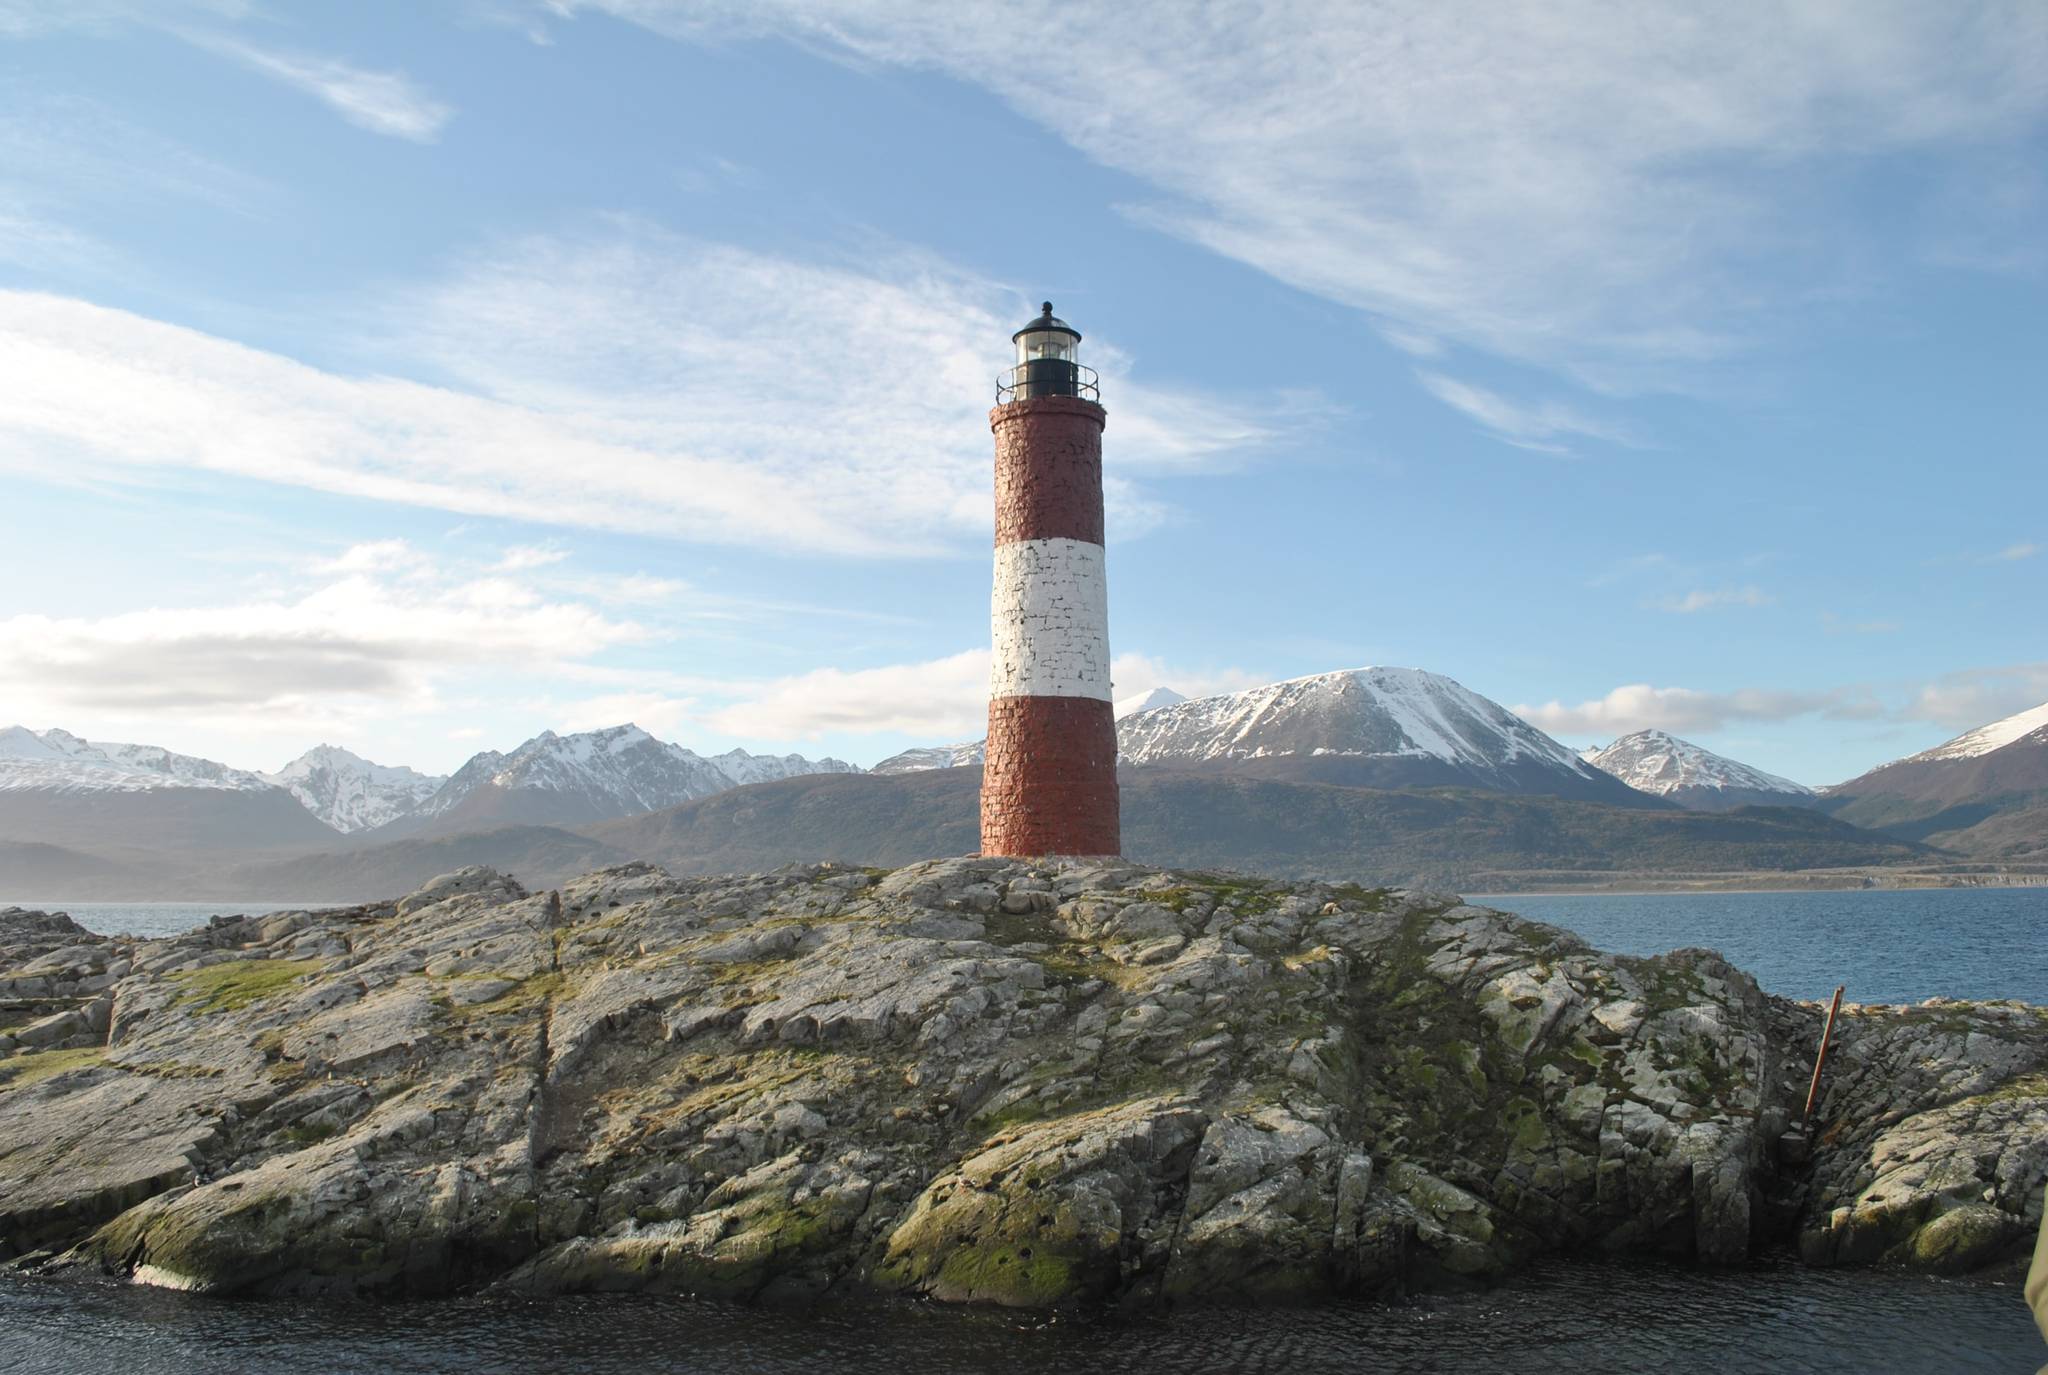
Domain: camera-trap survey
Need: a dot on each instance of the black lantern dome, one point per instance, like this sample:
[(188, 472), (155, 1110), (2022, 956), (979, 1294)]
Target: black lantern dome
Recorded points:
[(1047, 362)]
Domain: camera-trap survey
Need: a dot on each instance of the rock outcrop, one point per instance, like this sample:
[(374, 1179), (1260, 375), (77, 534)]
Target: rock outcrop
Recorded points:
[(977, 1080)]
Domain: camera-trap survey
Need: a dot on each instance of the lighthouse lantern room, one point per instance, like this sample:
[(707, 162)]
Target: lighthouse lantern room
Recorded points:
[(1047, 362)]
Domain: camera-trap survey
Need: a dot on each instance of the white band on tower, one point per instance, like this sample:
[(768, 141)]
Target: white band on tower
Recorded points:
[(1050, 620)]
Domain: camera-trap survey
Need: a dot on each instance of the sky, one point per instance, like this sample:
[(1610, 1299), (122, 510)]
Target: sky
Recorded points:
[(416, 377)]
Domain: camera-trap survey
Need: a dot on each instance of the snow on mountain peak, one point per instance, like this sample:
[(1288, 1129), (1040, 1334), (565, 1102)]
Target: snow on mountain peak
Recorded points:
[(350, 793), (1385, 712), (925, 757), (1653, 762), (59, 761), (743, 768), (617, 771), (1985, 739)]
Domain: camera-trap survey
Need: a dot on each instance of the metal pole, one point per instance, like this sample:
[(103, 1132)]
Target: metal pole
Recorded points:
[(1827, 1037)]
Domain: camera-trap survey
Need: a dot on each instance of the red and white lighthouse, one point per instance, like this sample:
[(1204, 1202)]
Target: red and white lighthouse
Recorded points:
[(1049, 784)]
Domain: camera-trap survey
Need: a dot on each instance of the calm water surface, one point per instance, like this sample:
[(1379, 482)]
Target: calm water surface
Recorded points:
[(1895, 946), (159, 918), (1588, 1318)]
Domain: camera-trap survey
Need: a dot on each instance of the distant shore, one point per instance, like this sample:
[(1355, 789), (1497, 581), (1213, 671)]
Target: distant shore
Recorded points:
[(1796, 881)]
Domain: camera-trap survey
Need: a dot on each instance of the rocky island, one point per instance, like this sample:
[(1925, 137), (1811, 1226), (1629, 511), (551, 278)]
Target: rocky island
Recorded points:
[(975, 1080)]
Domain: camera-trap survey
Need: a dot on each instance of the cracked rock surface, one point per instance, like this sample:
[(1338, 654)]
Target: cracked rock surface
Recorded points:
[(979, 1080)]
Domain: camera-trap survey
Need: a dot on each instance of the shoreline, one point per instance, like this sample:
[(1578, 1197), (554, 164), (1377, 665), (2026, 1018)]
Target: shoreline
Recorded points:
[(1490, 896)]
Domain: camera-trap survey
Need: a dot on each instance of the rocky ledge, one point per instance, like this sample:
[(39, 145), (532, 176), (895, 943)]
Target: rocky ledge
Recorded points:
[(970, 1079)]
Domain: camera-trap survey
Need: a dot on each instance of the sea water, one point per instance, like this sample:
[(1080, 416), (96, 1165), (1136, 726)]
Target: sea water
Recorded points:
[(160, 918), (1881, 945), (1586, 1317)]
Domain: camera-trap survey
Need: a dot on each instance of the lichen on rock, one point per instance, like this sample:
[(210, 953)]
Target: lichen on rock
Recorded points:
[(976, 1080)]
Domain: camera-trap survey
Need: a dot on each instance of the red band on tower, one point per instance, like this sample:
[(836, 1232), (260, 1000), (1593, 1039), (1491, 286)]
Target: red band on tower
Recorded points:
[(1048, 469)]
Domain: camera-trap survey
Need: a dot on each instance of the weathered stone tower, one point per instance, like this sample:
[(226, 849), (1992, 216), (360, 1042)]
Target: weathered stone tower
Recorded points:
[(1049, 784)]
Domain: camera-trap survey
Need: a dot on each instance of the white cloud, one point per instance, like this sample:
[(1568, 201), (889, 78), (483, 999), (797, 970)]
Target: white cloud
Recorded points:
[(1970, 698), (2013, 553), (940, 700), (382, 102), (524, 556), (1639, 706), (1540, 426), (1706, 599), (1619, 192), (625, 380), (1956, 701), (373, 635), (1135, 674), (376, 556)]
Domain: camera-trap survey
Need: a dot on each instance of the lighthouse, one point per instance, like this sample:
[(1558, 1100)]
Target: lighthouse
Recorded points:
[(1048, 786)]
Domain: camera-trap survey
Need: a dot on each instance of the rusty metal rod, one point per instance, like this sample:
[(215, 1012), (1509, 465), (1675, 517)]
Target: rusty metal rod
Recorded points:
[(1820, 1058)]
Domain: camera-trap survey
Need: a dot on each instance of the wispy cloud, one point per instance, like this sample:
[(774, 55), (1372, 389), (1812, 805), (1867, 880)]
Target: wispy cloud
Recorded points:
[(383, 102), (2013, 553), (1541, 426), (64, 157), (1708, 599), (623, 380), (1580, 190), (30, 18), (524, 556)]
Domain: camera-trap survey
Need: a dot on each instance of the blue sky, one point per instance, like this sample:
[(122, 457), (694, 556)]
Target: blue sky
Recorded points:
[(417, 377)]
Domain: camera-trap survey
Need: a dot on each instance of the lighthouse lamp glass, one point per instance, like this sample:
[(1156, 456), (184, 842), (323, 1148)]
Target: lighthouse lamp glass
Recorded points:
[(1045, 343)]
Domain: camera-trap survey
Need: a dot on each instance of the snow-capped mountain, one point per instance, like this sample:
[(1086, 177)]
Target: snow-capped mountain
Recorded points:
[(743, 768), (350, 793), (1983, 740), (565, 780), (1367, 727), (974, 751), (1969, 782), (57, 760), (1651, 761), (934, 757), (59, 789)]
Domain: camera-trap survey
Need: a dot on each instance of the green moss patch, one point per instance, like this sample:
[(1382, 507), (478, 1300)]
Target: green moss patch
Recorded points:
[(20, 1071), (235, 984)]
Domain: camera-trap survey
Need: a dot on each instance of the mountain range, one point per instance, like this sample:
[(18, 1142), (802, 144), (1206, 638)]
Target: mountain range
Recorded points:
[(110, 799), (1376, 773), (561, 780)]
